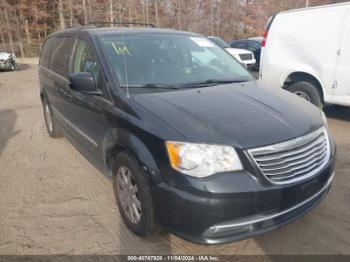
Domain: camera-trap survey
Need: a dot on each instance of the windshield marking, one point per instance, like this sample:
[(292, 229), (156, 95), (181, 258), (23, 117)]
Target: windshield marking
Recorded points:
[(121, 50)]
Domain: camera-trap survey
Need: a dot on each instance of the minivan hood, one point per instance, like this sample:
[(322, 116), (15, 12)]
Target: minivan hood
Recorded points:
[(243, 115)]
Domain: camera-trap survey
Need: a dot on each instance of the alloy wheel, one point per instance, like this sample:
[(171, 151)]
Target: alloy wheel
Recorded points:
[(128, 195)]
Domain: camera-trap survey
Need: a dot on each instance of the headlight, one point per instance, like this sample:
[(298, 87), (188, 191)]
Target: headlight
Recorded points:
[(201, 160), (324, 118)]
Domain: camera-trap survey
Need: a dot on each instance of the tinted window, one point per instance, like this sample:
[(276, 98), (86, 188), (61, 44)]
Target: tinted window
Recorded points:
[(61, 54), (45, 56), (84, 60), (239, 44), (254, 46)]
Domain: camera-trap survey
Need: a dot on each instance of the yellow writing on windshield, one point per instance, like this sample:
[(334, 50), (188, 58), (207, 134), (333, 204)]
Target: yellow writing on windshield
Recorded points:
[(121, 50)]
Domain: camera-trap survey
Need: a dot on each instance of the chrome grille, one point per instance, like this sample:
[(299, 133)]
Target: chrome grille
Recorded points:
[(246, 56), (295, 159)]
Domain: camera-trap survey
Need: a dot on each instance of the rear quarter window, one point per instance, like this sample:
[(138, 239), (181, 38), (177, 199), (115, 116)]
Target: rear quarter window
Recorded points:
[(239, 44), (61, 53)]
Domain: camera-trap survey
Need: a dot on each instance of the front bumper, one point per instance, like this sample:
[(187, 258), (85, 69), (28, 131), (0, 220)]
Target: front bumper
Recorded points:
[(243, 208), (248, 63), (259, 224), (5, 65)]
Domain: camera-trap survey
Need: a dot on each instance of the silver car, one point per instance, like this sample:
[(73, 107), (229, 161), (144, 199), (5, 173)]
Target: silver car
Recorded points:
[(8, 60)]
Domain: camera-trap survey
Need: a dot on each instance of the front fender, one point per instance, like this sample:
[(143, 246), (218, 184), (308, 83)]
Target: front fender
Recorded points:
[(117, 140)]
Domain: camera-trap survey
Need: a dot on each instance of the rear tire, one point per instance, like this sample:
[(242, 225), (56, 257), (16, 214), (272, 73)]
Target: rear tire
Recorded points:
[(133, 195), (50, 123), (307, 91)]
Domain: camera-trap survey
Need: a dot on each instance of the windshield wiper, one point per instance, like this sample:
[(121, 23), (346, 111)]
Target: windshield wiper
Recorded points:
[(152, 85), (211, 82)]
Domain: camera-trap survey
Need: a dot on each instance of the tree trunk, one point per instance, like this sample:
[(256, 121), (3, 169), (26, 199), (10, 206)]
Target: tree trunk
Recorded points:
[(9, 33), (70, 13), (37, 27), (1, 32), (19, 37), (245, 17), (179, 15), (211, 7), (111, 12), (219, 25), (143, 12), (84, 10), (61, 13), (156, 12), (2, 38), (89, 11), (147, 12), (27, 33), (129, 11)]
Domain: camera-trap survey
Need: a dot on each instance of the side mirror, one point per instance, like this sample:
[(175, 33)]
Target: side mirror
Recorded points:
[(82, 82)]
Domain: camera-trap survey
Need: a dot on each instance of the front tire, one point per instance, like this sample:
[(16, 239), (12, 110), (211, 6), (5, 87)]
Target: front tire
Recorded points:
[(133, 195), (307, 91), (50, 124)]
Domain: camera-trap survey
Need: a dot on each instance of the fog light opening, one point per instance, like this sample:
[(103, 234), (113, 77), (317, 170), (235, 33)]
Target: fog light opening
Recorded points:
[(217, 230)]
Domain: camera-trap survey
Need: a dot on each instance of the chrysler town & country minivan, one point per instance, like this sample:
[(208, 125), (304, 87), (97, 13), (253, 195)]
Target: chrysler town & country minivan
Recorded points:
[(189, 139)]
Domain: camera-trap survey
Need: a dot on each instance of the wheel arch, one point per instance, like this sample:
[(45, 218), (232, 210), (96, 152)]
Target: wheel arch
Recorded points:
[(121, 140), (303, 76)]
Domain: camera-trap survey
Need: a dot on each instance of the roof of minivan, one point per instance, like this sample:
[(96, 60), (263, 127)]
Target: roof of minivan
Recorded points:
[(313, 7), (118, 30)]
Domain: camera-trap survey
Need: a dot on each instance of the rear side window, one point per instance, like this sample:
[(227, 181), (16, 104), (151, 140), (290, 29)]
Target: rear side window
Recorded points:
[(45, 57), (254, 46), (240, 44), (61, 54)]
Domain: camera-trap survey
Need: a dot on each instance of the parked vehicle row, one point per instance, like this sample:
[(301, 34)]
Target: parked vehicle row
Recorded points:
[(251, 44), (245, 57), (189, 139), (307, 52)]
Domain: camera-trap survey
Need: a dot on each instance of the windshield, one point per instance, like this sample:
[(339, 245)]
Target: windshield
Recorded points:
[(169, 60), (4, 55), (219, 42)]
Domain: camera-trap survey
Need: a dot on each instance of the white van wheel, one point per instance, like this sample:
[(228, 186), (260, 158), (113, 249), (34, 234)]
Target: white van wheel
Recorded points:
[(307, 91)]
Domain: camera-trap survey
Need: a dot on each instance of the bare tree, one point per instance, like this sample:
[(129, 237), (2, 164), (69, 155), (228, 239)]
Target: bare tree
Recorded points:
[(37, 25), (9, 33), (61, 13), (26, 30), (156, 12), (18, 34), (84, 10), (70, 13), (32, 20), (2, 38), (147, 11), (211, 7)]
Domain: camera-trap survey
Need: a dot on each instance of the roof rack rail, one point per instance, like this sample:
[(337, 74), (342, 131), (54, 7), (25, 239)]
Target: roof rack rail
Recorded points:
[(119, 23)]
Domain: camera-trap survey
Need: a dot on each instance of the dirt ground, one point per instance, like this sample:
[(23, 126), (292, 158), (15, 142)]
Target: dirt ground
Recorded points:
[(53, 201)]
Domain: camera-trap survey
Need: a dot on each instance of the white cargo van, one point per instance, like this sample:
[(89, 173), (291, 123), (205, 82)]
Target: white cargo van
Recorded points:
[(307, 51)]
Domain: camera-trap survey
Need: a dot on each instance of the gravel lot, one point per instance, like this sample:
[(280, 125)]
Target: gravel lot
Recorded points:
[(53, 201)]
